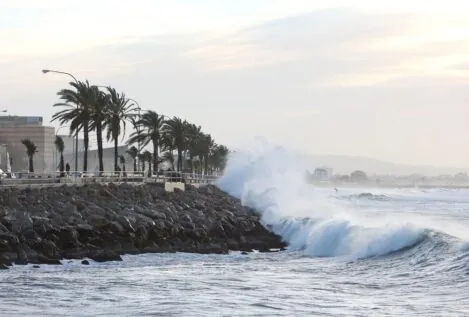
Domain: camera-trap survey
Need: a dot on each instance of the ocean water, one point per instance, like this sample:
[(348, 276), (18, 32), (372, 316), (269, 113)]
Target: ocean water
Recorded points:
[(355, 252)]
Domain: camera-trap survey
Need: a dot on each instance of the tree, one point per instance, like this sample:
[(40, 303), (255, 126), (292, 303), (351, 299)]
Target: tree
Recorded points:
[(60, 146), (147, 158), (78, 103), (218, 157), (31, 149), (133, 152), (358, 176), (194, 134), (150, 130), (142, 159), (122, 161), (168, 156), (176, 129), (98, 113), (120, 112), (204, 147)]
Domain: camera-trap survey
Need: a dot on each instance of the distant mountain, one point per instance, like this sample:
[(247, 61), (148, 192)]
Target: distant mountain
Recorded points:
[(343, 164)]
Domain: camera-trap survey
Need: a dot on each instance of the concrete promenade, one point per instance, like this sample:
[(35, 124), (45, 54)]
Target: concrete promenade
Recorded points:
[(36, 181)]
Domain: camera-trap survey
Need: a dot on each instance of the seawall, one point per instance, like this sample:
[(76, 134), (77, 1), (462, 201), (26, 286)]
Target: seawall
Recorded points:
[(44, 225)]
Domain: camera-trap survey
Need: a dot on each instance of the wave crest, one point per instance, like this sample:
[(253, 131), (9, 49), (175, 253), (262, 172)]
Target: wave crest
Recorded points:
[(271, 180)]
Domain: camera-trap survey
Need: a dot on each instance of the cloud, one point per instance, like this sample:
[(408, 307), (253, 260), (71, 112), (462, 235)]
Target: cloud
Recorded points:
[(335, 81)]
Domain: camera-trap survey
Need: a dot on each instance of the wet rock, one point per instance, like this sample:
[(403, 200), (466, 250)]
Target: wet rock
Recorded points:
[(105, 256), (102, 222), (85, 262)]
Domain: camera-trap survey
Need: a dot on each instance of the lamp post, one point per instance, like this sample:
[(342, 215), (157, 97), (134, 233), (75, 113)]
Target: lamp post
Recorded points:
[(45, 71)]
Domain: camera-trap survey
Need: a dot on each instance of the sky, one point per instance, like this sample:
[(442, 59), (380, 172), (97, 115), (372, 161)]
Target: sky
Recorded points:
[(382, 79)]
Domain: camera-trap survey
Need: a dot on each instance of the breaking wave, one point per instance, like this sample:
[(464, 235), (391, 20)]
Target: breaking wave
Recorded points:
[(270, 179)]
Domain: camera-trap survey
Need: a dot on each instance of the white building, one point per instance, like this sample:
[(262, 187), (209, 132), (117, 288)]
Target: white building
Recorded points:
[(322, 173), (13, 129)]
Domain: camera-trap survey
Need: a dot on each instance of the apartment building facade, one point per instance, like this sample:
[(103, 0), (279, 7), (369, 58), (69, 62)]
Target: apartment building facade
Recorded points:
[(13, 129)]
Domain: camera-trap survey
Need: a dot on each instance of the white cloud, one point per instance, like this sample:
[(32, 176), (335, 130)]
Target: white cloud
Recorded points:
[(330, 81)]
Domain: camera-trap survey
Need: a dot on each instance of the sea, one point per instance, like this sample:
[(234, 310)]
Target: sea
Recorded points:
[(357, 251)]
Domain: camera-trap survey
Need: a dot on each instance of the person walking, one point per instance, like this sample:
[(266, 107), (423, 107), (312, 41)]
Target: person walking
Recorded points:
[(67, 169)]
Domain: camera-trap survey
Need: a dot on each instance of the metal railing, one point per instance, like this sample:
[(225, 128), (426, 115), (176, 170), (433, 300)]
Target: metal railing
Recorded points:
[(24, 178)]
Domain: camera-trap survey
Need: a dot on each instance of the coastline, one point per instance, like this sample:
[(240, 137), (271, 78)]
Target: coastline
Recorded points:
[(101, 222)]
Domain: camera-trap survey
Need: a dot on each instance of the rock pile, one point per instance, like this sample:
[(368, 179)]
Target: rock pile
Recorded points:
[(101, 222)]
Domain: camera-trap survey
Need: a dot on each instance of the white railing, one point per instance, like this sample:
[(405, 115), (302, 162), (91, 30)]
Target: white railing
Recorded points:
[(25, 178)]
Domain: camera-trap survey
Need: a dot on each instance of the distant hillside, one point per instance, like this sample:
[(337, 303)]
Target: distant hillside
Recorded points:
[(346, 164)]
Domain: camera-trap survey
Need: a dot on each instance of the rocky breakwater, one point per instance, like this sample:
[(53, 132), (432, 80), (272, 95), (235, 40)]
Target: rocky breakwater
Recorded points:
[(102, 222)]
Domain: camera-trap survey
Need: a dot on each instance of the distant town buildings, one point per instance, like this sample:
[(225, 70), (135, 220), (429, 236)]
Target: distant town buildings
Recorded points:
[(322, 173)]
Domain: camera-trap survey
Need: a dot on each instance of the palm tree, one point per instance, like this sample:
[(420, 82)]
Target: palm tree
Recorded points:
[(148, 157), (168, 156), (194, 134), (60, 146), (78, 103), (142, 158), (98, 114), (120, 111), (133, 152), (150, 130), (176, 129), (204, 147), (122, 161), (31, 149), (218, 156)]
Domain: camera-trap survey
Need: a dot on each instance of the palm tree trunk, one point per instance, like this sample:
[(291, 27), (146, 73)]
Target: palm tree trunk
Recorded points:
[(116, 154), (201, 162), (155, 156), (124, 172), (206, 164), (86, 141), (179, 160), (149, 169), (135, 165), (191, 162), (172, 158), (99, 140), (62, 164), (31, 164)]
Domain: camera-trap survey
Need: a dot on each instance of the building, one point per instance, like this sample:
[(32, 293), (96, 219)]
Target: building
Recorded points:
[(70, 142), (4, 158), (93, 162), (13, 129), (322, 174)]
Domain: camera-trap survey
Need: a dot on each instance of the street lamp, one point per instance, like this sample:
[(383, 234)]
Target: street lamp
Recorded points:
[(45, 71)]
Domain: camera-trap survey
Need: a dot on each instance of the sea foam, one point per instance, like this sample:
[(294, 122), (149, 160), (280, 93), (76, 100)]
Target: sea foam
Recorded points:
[(271, 179)]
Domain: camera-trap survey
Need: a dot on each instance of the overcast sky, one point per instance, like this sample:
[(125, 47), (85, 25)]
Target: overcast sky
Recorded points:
[(385, 79)]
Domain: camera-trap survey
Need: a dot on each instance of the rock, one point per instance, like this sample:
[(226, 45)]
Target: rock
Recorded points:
[(102, 222), (22, 257), (85, 262), (36, 266), (104, 256), (97, 221), (5, 259), (3, 267)]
